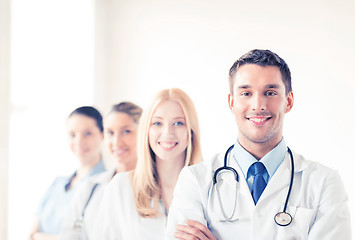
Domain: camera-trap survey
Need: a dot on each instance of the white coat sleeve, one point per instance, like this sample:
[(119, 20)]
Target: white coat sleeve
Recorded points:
[(333, 216), (186, 203)]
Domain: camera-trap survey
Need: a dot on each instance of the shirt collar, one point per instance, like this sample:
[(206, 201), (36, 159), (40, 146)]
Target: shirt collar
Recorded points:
[(100, 167), (271, 160)]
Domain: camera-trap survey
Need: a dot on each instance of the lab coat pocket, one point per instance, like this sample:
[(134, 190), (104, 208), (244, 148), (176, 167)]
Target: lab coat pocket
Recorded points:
[(302, 220)]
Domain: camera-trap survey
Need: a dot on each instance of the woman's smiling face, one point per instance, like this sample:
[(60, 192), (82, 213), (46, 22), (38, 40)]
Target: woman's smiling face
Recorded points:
[(121, 137), (85, 138), (168, 135)]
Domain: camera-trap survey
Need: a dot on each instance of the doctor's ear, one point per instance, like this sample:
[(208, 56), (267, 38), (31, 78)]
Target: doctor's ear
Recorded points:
[(290, 101), (230, 101)]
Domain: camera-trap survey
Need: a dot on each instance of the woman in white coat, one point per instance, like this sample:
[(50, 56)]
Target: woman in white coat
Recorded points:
[(136, 204), (120, 135)]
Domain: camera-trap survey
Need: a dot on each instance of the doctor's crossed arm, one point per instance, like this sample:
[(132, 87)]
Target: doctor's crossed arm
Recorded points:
[(37, 235), (332, 219), (186, 218), (42, 236), (193, 231), (190, 223)]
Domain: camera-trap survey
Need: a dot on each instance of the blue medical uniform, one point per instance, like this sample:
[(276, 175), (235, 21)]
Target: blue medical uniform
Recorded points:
[(56, 202)]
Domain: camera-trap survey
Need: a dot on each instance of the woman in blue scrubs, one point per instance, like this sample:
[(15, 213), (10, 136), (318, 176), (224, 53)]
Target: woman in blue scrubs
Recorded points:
[(85, 134)]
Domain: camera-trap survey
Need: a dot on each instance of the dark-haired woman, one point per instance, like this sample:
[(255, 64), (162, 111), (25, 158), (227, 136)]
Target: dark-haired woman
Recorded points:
[(85, 133)]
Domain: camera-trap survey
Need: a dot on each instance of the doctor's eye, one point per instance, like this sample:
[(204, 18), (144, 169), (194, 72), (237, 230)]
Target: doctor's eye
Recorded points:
[(87, 134), (270, 93), (109, 133), (179, 123), (126, 131), (245, 94), (156, 123)]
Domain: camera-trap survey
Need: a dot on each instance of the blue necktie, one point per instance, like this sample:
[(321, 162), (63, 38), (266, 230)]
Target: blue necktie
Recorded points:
[(259, 183)]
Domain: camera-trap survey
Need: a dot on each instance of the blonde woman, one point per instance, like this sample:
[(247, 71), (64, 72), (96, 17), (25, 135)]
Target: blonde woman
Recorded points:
[(120, 131), (136, 204)]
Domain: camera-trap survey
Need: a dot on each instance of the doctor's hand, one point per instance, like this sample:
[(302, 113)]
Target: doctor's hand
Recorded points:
[(193, 231), (42, 236)]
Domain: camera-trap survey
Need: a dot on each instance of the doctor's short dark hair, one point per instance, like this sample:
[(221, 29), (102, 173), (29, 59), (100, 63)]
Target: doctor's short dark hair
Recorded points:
[(90, 112), (262, 58)]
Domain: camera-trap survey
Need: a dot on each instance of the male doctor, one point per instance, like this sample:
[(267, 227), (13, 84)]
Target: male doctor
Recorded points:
[(260, 96)]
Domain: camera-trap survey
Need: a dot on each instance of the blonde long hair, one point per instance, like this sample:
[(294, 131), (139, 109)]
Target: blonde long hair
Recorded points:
[(146, 189)]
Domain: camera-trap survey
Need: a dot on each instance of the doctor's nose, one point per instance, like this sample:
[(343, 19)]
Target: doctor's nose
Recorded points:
[(258, 103), (117, 141), (167, 129), (79, 140)]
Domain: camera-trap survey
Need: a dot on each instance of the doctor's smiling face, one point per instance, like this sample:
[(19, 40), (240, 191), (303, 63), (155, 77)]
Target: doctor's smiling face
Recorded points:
[(85, 138), (259, 102), (121, 137), (168, 135)]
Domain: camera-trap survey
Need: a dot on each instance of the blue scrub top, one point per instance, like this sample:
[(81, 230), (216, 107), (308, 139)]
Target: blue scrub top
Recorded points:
[(56, 202)]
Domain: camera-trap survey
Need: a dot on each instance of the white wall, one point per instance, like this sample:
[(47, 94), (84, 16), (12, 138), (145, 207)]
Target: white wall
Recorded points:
[(4, 112), (192, 44), (52, 73)]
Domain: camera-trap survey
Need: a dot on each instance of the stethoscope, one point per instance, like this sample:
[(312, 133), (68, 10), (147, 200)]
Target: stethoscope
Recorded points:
[(281, 218), (78, 224)]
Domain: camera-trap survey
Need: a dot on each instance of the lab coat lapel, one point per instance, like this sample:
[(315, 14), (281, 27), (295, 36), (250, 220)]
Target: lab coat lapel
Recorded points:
[(280, 180), (229, 180), (282, 176), (229, 189), (243, 185)]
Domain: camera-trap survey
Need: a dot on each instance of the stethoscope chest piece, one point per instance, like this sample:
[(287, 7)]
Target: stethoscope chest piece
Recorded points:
[(283, 219), (78, 225)]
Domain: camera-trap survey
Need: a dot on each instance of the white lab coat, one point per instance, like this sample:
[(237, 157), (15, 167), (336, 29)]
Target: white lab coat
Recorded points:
[(119, 219), (318, 203), (84, 190)]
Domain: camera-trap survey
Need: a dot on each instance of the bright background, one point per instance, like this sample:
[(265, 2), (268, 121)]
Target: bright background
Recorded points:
[(68, 53)]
